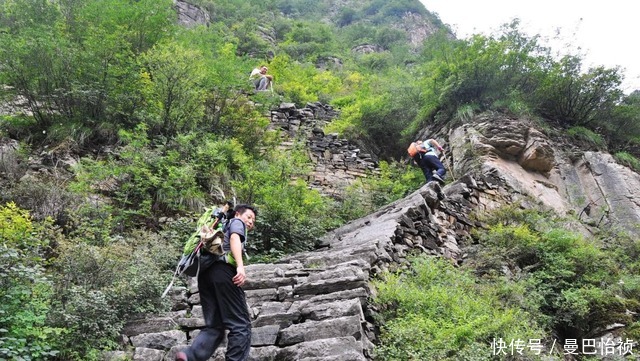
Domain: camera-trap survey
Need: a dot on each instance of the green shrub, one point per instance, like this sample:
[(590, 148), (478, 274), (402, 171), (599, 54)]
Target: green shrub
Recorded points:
[(291, 216), (436, 312), (586, 135), (143, 180), (629, 160), (98, 288), (570, 283), (25, 289), (368, 194), (43, 198)]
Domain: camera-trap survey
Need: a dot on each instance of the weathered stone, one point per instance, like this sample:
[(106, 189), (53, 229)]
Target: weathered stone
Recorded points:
[(342, 348), (268, 353), (190, 322), (342, 308), (259, 296), (316, 330), (265, 335), (147, 354), (273, 282), (159, 341), (190, 15), (149, 325), (282, 316), (538, 153), (115, 356)]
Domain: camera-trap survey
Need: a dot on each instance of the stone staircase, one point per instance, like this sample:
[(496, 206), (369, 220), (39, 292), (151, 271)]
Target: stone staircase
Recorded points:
[(315, 305)]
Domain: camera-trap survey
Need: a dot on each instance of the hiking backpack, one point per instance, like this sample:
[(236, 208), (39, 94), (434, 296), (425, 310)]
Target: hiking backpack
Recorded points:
[(208, 235), (415, 148)]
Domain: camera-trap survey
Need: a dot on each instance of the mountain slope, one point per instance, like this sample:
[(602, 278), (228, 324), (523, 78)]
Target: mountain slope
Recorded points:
[(318, 305)]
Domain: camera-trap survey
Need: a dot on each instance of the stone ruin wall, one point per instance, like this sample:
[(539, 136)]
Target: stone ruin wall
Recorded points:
[(338, 162)]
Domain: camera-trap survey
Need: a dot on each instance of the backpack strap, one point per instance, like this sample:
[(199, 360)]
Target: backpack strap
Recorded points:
[(226, 254)]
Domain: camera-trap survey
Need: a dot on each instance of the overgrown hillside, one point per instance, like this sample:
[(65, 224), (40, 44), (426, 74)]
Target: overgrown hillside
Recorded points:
[(118, 125)]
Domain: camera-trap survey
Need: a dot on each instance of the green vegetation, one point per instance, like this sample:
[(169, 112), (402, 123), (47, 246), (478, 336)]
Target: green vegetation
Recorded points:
[(367, 195), (526, 278), (629, 160), (26, 291), (436, 312), (162, 121), (586, 136)]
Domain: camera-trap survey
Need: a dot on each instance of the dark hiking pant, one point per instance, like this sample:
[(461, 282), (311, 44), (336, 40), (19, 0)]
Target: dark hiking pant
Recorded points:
[(430, 163), (225, 308)]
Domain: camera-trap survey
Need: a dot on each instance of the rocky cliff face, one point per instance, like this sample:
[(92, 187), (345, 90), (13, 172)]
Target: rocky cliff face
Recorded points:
[(190, 15), (314, 305), (553, 172)]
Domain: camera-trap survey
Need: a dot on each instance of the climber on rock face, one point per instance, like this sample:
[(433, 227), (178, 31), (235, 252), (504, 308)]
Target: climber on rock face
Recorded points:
[(427, 159)]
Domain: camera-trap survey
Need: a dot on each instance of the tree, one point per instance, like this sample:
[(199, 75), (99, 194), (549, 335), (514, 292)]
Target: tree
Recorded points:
[(571, 97), (173, 88)]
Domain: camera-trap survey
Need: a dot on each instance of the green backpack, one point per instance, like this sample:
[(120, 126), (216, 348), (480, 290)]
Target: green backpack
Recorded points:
[(208, 235), (208, 226)]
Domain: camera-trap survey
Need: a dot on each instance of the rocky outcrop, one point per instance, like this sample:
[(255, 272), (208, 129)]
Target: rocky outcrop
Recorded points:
[(190, 15), (418, 27), (568, 180)]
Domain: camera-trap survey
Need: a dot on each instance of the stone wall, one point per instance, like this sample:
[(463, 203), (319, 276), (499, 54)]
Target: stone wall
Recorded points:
[(338, 162)]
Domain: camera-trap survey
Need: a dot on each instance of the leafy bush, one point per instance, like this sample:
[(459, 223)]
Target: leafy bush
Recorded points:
[(78, 73), (586, 135), (143, 180), (302, 83), (436, 312), (369, 194), (291, 215), (99, 287), (306, 40), (25, 289), (173, 86), (571, 97), (380, 113), (569, 281), (44, 198)]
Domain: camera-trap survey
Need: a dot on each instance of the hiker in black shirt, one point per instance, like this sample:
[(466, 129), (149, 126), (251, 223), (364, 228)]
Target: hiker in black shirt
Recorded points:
[(223, 300)]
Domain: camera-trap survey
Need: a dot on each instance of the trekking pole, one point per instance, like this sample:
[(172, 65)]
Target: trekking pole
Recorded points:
[(446, 164)]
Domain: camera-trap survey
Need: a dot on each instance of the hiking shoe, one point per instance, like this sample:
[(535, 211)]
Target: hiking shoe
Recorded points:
[(438, 178), (181, 356)]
